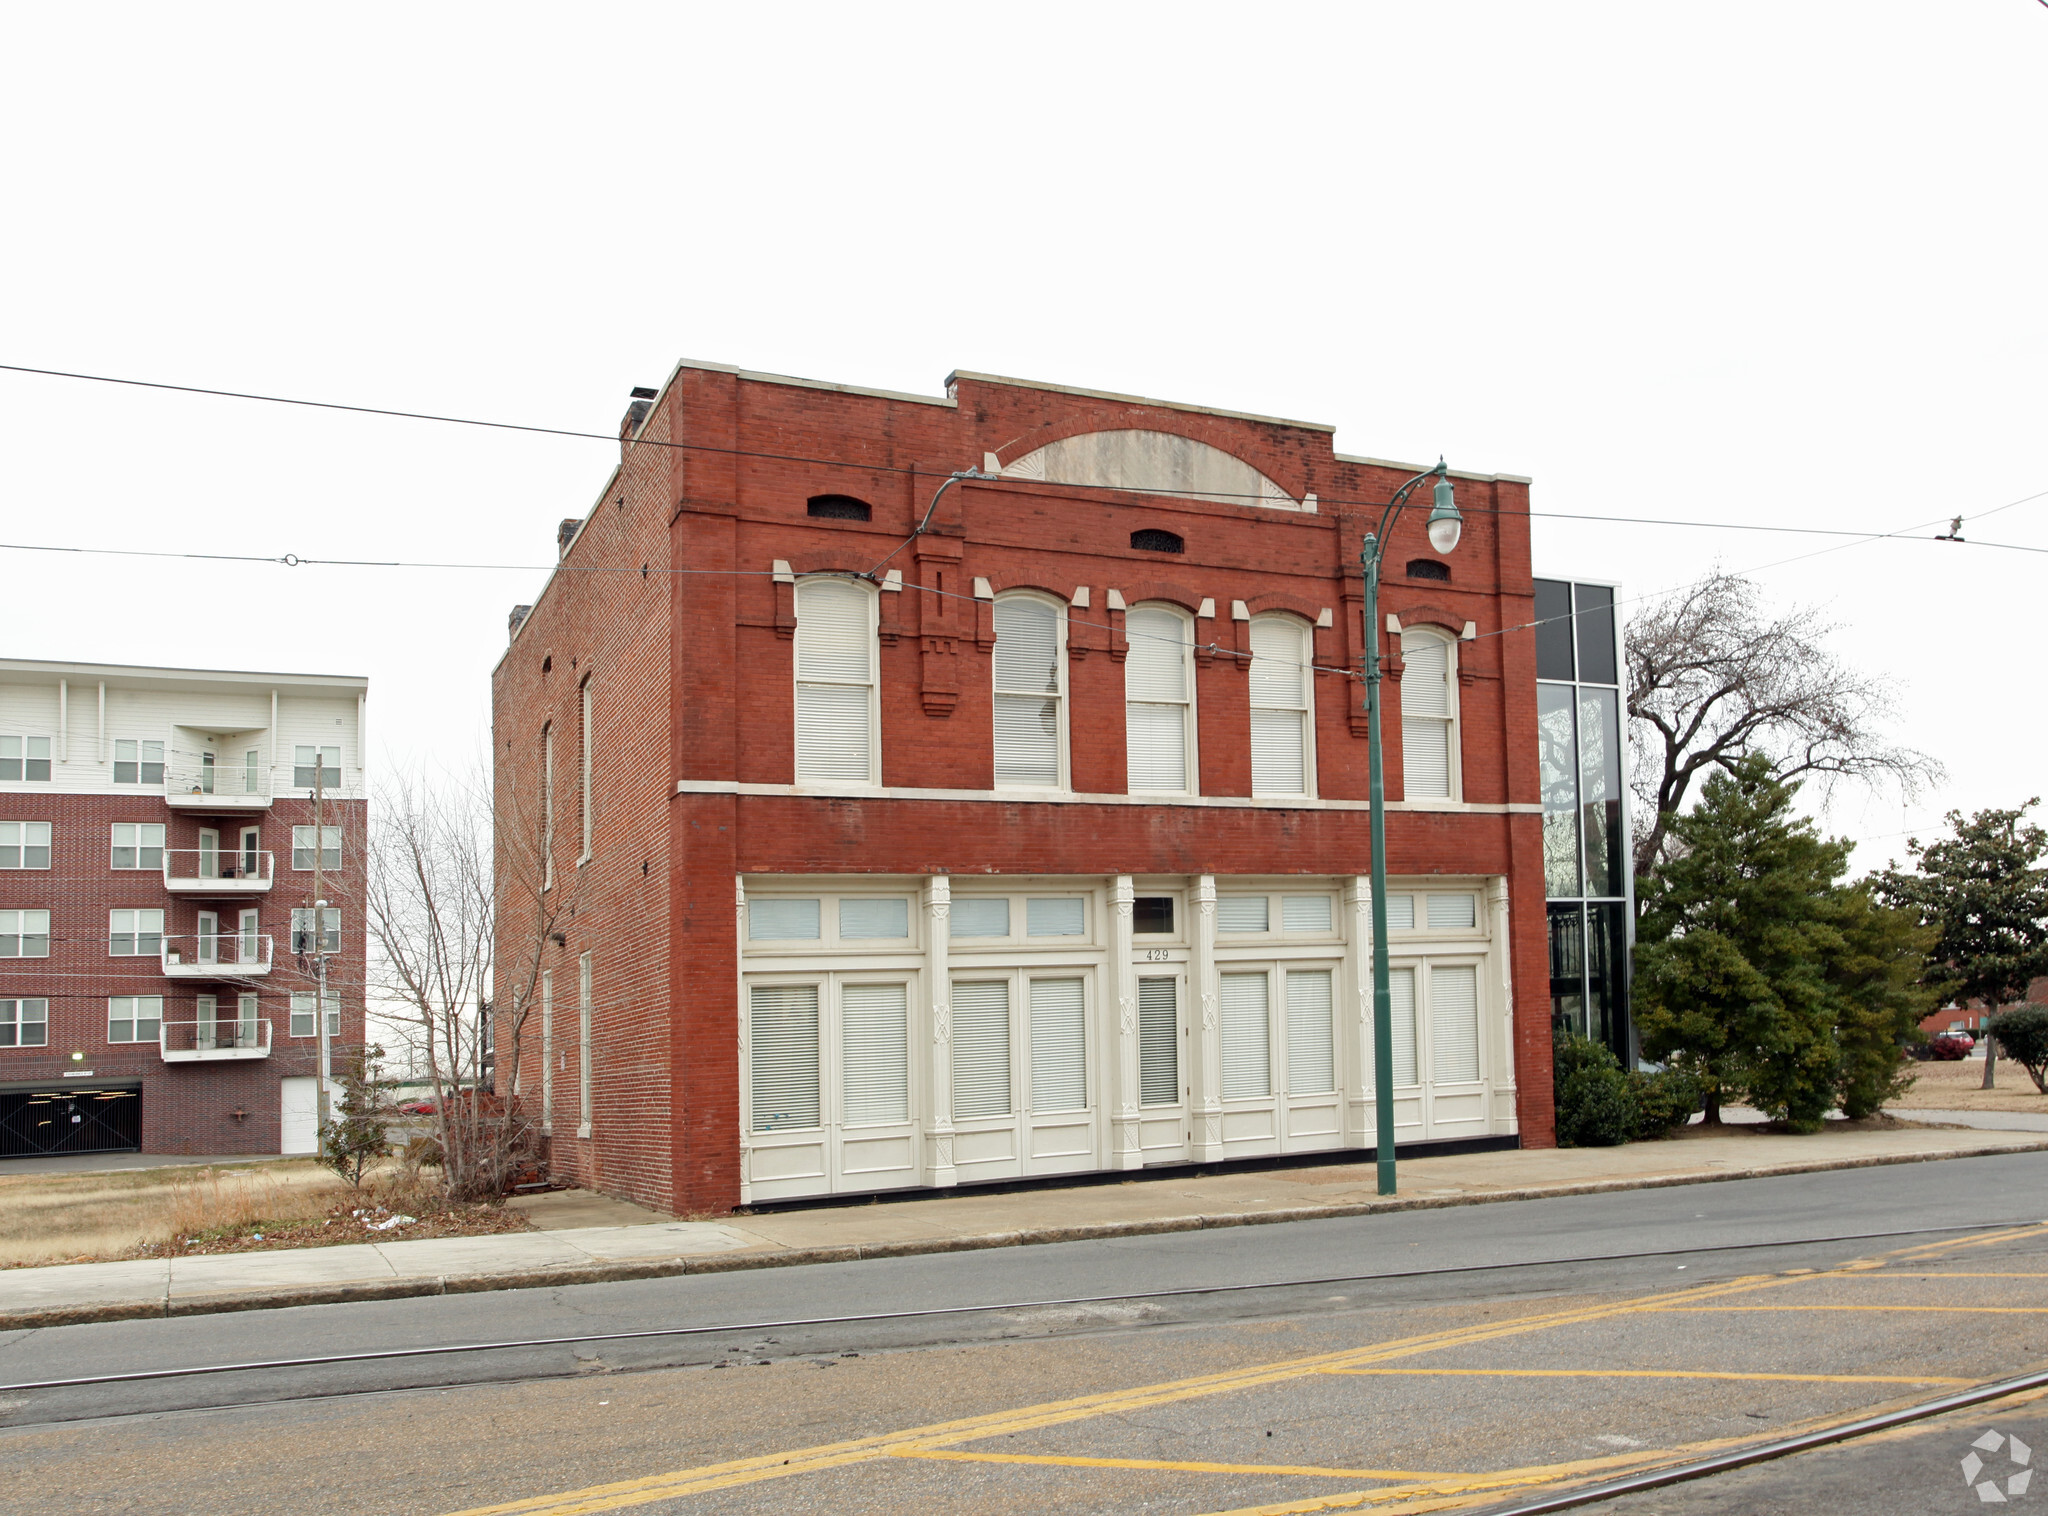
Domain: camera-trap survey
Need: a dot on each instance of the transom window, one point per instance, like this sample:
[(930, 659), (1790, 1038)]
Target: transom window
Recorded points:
[(1159, 707), (1429, 716), (1241, 915), (1004, 918), (138, 845), (138, 761), (24, 844), (1030, 680), (800, 922), (25, 758), (837, 736)]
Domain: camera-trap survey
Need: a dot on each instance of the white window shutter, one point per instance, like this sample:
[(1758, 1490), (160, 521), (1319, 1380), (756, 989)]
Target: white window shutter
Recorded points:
[(1156, 743), (1157, 667), (1027, 690), (1059, 1046), (1400, 913), (981, 1048), (1305, 913), (1454, 1023), (1278, 655), (835, 665), (782, 1037), (874, 920), (1311, 1036), (1027, 739), (875, 1054), (1450, 912), (1426, 724), (1056, 916), (980, 916), (1279, 702), (1156, 700), (1247, 1037), (1158, 1042), (1027, 646), (1279, 753), (1401, 1002)]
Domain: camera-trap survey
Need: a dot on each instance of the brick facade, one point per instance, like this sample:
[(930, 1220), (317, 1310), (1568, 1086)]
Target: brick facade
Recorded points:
[(668, 602)]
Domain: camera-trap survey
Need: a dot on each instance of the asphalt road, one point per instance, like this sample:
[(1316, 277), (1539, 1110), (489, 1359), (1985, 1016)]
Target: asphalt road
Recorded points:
[(1489, 1359)]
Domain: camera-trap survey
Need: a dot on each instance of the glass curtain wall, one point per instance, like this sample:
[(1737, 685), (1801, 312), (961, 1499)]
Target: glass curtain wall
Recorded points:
[(1585, 829)]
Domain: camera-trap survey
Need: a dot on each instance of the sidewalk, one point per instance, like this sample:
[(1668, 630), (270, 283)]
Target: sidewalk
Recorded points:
[(590, 1239)]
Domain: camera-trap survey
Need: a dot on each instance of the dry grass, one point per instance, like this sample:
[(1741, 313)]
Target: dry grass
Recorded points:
[(1954, 1087), (62, 1218)]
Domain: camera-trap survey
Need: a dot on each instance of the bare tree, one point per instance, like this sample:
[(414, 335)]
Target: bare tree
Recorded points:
[(1713, 675), (434, 888)]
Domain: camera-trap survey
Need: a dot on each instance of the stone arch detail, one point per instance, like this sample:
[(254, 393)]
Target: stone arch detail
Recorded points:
[(1147, 459)]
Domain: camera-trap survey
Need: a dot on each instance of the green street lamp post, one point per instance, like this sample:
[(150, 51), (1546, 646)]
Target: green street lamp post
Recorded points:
[(1445, 527)]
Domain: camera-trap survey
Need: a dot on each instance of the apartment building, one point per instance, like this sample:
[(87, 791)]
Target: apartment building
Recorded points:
[(158, 925), (941, 789)]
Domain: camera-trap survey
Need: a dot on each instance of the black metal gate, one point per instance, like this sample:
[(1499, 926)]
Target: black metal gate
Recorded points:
[(34, 1122)]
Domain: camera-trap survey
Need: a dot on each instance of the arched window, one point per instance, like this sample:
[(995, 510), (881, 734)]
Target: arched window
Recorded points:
[(1152, 540), (1283, 729), (840, 508), (1030, 681), (1428, 568), (1159, 701), (1429, 715), (838, 740)]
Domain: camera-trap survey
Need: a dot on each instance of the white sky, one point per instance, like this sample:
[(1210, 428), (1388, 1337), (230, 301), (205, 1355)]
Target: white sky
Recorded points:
[(1761, 262)]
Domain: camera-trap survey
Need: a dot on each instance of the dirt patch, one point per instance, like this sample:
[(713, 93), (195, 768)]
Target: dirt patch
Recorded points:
[(1954, 1087), (348, 1223)]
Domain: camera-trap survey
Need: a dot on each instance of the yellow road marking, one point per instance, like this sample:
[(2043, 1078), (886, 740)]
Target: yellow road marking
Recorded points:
[(1953, 1310), (618, 1495), (1976, 1240), (1077, 1462), (1663, 1374), (1949, 1274)]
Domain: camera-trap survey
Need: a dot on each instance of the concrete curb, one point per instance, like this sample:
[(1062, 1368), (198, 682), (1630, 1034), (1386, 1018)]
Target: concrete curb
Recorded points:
[(725, 1263)]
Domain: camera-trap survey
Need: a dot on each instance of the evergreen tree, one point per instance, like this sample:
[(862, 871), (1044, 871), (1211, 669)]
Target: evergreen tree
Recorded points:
[(1737, 950), (1985, 893), (1884, 951)]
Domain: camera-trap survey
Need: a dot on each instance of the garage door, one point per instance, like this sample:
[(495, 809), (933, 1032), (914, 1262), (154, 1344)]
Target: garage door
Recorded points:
[(61, 1120), (301, 1116)]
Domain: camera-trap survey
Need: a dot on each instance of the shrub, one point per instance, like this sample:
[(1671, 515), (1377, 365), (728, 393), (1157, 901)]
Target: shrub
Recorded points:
[(355, 1136), (1665, 1101), (2022, 1034), (1595, 1106), (1946, 1049)]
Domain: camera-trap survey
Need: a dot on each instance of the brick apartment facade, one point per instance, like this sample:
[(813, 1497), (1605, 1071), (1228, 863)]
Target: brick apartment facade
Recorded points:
[(840, 905), (155, 842)]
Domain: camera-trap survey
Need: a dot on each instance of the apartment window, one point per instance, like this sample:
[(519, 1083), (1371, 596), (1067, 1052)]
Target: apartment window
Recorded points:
[(837, 736), (1429, 716), (1159, 682), (330, 847), (547, 806), (583, 1101), (25, 758), (583, 760), (134, 1018), (330, 930), (302, 1014), (1283, 733), (138, 845), (1029, 683), (24, 844), (135, 934), (24, 1023), (316, 766), (547, 1051), (24, 934), (138, 761)]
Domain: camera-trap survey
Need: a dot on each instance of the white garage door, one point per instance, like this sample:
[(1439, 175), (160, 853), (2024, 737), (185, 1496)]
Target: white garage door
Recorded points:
[(301, 1116)]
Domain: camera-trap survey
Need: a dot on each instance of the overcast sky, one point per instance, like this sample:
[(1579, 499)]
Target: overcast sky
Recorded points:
[(1768, 263)]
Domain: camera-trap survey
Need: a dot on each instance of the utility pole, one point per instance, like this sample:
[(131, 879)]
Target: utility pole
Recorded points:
[(320, 935)]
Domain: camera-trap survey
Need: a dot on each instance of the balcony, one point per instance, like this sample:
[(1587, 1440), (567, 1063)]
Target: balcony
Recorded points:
[(209, 1041), (227, 956), (211, 871), (201, 786)]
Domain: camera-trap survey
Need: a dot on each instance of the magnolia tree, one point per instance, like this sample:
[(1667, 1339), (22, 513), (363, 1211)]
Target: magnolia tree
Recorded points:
[(435, 887)]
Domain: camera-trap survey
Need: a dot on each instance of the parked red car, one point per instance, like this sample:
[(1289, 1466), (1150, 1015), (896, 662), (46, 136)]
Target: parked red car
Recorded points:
[(417, 1108)]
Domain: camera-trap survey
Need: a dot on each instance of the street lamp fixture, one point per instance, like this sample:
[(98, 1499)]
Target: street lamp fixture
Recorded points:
[(1445, 527)]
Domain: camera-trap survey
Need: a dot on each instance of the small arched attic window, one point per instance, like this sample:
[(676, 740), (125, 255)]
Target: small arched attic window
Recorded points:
[(1428, 568), (1152, 540), (840, 508)]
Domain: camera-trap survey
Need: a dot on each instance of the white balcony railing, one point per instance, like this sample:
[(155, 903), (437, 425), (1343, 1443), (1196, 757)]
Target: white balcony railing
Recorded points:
[(230, 955), (217, 786), (196, 1041), (214, 871)]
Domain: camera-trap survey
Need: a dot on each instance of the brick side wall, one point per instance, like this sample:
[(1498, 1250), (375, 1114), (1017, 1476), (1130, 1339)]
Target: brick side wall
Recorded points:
[(186, 1107), (717, 701)]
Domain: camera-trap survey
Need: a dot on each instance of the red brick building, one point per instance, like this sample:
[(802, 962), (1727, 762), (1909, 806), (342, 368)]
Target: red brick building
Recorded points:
[(157, 857), (1031, 843)]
